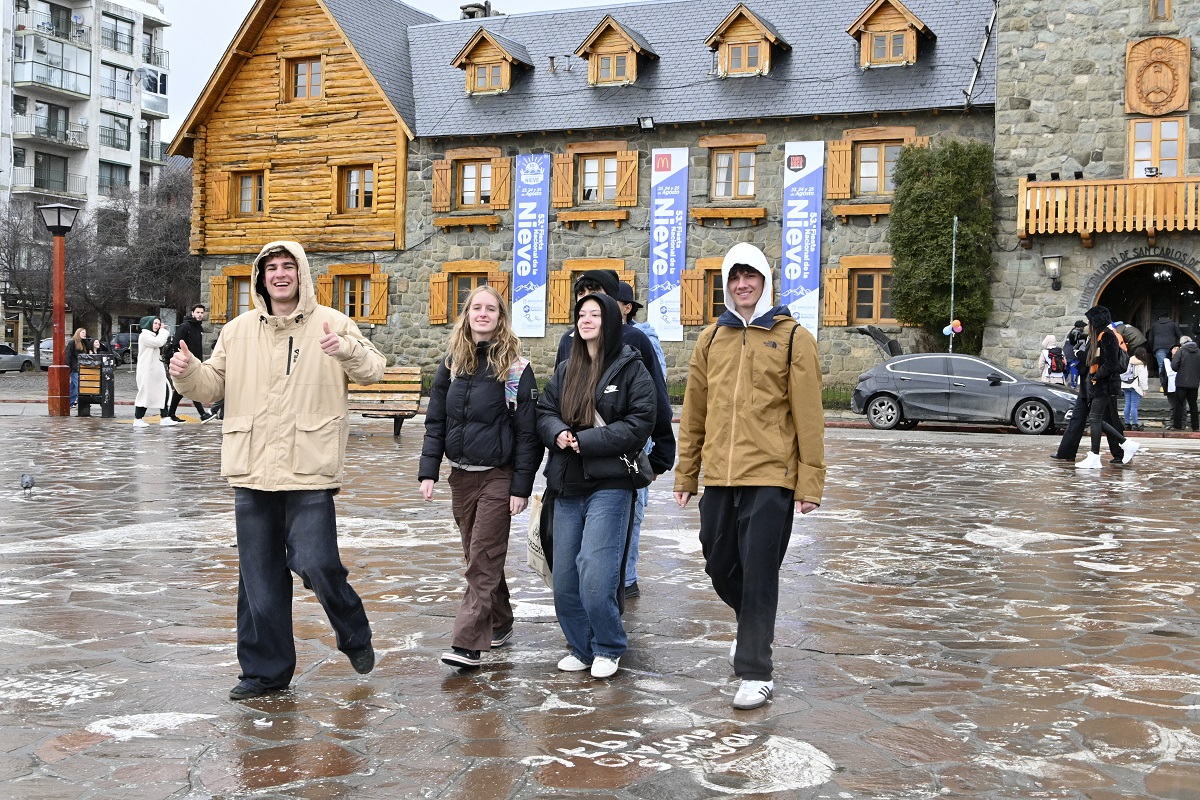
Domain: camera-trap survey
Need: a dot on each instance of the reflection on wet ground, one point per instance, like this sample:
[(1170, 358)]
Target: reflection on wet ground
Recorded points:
[(962, 618)]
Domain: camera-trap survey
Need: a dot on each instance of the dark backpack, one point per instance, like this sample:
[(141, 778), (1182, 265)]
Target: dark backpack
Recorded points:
[(1058, 362)]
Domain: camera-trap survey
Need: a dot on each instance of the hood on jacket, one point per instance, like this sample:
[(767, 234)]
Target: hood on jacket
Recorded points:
[(1098, 318), (1049, 341), (308, 298), (748, 255), (608, 279), (611, 322), (147, 323)]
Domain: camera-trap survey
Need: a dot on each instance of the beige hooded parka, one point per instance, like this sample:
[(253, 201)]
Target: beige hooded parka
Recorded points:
[(286, 420)]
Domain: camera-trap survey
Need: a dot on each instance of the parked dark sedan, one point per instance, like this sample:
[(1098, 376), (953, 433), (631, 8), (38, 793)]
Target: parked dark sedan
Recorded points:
[(125, 345), (949, 387)]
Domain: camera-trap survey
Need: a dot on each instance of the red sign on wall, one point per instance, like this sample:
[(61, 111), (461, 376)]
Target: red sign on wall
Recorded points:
[(662, 162)]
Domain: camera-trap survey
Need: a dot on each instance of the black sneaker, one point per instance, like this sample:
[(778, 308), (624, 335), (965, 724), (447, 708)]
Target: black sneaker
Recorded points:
[(177, 419), (500, 638), (248, 691), (362, 660), (206, 417), (463, 659), (632, 590)]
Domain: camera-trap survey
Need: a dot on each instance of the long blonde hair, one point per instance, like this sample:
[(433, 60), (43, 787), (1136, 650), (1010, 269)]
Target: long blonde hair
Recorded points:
[(506, 347), (80, 337)]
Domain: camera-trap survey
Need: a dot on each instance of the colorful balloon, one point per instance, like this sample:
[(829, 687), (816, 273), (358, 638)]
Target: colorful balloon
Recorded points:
[(956, 323), (946, 330), (958, 328)]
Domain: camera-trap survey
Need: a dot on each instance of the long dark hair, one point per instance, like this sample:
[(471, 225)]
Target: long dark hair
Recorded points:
[(582, 375)]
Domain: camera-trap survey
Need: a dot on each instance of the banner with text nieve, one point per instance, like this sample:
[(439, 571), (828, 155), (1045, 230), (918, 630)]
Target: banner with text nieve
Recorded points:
[(530, 216), (803, 193), (668, 239)]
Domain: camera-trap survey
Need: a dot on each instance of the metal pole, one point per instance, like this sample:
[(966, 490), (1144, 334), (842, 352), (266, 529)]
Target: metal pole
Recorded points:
[(58, 397), (953, 265)]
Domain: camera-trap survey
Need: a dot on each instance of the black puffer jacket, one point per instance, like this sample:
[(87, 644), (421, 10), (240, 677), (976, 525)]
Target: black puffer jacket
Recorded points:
[(1186, 363), (625, 400), (192, 333), (1104, 370), (469, 422)]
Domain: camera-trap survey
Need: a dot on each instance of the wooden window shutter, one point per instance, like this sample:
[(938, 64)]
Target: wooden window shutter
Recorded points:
[(558, 296), (836, 297), (691, 297), (325, 290), (218, 195), (218, 299), (628, 276), (441, 185), (627, 177), (379, 299), (501, 184), (439, 298), (501, 282), (839, 169), (562, 182)]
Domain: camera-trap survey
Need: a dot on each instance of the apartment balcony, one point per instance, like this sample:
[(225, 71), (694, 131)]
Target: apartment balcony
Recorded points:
[(154, 105), (27, 180), (114, 137), (157, 57), (116, 90), (115, 40), (154, 151), (41, 129), (1133, 205), (52, 77), (40, 23)]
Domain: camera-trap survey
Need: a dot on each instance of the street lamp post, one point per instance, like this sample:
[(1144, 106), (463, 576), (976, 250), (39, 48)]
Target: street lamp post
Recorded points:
[(59, 218)]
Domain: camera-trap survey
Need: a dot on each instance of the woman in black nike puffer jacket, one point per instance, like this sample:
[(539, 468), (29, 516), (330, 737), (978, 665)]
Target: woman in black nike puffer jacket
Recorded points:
[(590, 475)]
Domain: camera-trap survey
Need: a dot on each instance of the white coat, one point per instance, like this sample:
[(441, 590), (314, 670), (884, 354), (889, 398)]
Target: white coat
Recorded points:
[(153, 391)]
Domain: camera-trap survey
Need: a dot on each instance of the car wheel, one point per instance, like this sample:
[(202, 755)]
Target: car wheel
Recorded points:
[(883, 412), (1033, 417), (26, 366), (125, 357)]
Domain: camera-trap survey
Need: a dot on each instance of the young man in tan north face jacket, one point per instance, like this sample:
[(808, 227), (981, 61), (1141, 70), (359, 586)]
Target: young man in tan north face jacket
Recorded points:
[(282, 369)]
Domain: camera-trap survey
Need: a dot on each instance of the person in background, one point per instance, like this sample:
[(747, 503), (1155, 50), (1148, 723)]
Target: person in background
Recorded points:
[(191, 330), (1134, 383), (482, 417), (1075, 340), (1103, 383), (1186, 363), (283, 368), (1162, 338), (1053, 362), (76, 345), (1172, 392), (153, 388), (595, 416)]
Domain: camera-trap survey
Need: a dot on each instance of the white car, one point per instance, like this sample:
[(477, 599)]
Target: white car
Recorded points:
[(12, 360)]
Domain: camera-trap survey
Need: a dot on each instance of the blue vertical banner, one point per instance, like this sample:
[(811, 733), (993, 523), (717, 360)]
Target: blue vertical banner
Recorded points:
[(530, 221), (803, 194), (668, 239)]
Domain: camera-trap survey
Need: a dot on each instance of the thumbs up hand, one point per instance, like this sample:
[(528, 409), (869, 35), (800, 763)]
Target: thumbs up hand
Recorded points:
[(330, 343), (180, 360)]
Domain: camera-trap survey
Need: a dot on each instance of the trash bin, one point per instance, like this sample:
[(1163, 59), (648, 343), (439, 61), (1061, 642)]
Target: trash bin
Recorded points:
[(96, 373)]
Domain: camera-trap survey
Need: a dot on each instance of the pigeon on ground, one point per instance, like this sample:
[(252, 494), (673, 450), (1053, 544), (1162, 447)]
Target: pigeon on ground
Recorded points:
[(27, 483)]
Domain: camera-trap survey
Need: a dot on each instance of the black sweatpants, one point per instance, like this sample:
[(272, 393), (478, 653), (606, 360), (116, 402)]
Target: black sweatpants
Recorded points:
[(744, 533)]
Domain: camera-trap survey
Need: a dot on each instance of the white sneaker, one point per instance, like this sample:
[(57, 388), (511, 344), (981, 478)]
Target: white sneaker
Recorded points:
[(1130, 448), (167, 421), (1091, 462), (141, 423), (603, 667), (732, 651), (572, 664), (752, 694)]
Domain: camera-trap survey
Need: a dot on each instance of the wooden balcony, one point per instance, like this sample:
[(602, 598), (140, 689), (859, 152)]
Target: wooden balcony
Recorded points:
[(1145, 205)]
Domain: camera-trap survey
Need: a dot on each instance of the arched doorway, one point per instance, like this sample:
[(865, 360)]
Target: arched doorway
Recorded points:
[(1140, 292)]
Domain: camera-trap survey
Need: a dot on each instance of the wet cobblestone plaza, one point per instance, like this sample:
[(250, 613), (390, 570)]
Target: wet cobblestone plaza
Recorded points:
[(963, 617)]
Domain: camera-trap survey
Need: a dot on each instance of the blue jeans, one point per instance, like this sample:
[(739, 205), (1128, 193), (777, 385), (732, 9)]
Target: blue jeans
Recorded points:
[(1133, 401), (74, 387), (639, 514), (1072, 374), (589, 540), (279, 533), (1162, 354)]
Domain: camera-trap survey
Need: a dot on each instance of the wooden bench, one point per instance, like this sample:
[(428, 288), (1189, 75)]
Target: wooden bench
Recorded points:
[(396, 395)]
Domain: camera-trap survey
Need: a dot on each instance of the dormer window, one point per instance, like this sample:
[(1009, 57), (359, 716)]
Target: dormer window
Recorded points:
[(488, 59), (744, 43), (612, 51), (887, 35)]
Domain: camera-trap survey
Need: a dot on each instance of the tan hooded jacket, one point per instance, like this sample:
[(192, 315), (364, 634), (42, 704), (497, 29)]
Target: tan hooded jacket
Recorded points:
[(286, 421)]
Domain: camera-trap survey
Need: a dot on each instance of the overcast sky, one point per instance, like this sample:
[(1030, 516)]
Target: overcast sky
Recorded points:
[(202, 29)]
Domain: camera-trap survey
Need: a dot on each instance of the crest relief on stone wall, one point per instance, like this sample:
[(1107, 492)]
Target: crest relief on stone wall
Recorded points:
[(1157, 75)]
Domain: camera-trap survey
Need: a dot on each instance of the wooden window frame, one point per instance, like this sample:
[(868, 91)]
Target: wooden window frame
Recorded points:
[(223, 290), (1156, 142), (501, 82), (235, 187), (866, 45), (601, 173), (289, 78), (1156, 15), (881, 148), (566, 185), (444, 307), (447, 181), (877, 291), (235, 284), (735, 153), (596, 68), (460, 181), (741, 47), (372, 283), (712, 285), (343, 174)]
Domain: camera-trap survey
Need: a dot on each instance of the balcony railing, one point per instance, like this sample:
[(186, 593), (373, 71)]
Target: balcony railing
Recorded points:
[(116, 89), (52, 76), (154, 151), (115, 40), (65, 133), (43, 24), (26, 179), (1134, 205), (114, 137), (159, 58)]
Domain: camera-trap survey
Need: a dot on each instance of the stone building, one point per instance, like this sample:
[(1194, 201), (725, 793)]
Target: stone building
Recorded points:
[(396, 165)]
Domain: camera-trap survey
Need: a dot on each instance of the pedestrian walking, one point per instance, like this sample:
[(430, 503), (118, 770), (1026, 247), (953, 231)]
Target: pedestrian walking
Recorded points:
[(482, 417), (1186, 363), (282, 368), (752, 419), (1173, 397), (1103, 379), (1134, 383), (1162, 337), (153, 388), (191, 330), (1052, 361), (1071, 346), (76, 346), (595, 416)]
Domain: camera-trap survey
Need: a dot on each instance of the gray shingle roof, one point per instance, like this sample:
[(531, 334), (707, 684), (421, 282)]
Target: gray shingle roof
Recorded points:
[(514, 49), (378, 30), (819, 75)]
